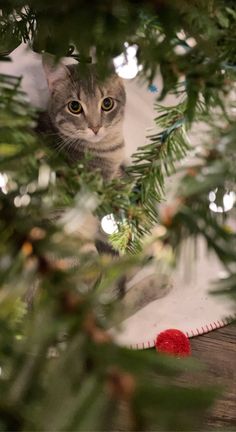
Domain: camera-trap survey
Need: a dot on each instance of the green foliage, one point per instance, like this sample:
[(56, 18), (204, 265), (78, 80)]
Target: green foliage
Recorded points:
[(61, 370)]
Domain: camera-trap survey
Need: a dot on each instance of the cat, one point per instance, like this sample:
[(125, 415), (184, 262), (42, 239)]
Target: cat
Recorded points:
[(86, 115)]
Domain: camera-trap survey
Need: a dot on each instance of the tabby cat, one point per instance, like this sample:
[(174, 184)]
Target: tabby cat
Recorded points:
[(86, 115)]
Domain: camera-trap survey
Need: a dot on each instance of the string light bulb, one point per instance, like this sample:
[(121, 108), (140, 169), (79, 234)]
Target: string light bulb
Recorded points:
[(3, 182), (126, 64), (109, 225), (227, 204)]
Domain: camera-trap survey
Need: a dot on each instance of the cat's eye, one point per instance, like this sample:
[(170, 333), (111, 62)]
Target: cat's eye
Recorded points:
[(107, 104), (75, 107)]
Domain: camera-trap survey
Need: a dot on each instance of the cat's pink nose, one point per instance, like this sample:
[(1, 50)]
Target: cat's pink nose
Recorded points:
[(95, 129)]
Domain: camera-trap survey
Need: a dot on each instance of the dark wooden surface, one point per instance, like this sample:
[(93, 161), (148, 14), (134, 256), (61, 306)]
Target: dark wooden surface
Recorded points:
[(217, 350)]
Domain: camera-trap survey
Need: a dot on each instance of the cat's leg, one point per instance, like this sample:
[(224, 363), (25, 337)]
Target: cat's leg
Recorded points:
[(143, 287)]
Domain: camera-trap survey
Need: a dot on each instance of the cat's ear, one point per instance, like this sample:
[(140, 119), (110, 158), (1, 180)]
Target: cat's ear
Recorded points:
[(54, 72)]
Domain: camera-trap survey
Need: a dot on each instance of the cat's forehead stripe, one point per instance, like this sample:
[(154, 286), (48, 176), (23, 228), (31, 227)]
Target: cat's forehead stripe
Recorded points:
[(101, 90), (88, 85)]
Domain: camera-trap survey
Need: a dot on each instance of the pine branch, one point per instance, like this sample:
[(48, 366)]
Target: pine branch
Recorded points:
[(213, 175), (89, 374)]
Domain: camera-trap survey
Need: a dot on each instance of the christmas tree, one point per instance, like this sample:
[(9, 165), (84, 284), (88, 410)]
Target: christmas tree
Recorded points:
[(60, 367)]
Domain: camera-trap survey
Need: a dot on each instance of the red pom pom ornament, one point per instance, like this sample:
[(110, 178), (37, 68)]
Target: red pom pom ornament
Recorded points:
[(173, 342)]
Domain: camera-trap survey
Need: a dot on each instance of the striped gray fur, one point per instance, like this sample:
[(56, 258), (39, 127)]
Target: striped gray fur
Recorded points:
[(92, 131)]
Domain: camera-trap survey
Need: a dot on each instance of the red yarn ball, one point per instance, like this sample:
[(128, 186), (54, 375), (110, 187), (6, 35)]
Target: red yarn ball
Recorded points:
[(174, 342)]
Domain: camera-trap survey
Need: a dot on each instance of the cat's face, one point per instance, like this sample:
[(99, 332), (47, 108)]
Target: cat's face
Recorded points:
[(82, 107)]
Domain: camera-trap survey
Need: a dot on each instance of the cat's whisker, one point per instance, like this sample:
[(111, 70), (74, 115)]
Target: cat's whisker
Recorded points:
[(71, 144), (60, 145), (65, 144)]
